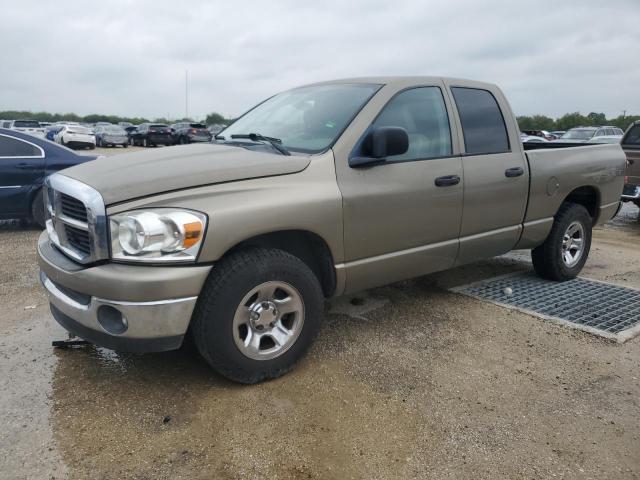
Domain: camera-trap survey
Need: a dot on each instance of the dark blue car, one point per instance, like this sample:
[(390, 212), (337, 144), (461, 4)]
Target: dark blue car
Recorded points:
[(25, 161)]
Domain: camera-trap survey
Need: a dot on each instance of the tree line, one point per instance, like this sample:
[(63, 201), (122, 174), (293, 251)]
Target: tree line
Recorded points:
[(535, 122), (212, 118), (575, 119)]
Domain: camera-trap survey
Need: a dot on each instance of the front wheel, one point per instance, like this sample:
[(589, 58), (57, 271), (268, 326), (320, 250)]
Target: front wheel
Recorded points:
[(565, 251), (257, 314)]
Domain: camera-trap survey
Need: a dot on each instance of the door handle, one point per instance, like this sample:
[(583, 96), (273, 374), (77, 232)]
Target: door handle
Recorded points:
[(26, 166), (447, 181), (513, 172)]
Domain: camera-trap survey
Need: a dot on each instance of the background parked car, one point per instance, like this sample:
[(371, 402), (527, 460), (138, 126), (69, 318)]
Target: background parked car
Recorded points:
[(26, 161), (51, 131), (631, 146), (27, 126), (606, 139), (216, 128), (150, 135), (539, 133), (75, 136), (584, 134), (533, 139), (111, 136), (186, 132)]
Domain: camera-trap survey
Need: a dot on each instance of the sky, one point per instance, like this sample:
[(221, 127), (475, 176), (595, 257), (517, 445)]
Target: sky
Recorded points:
[(130, 58)]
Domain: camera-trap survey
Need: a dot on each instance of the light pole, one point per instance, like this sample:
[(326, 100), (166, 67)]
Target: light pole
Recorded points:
[(186, 94)]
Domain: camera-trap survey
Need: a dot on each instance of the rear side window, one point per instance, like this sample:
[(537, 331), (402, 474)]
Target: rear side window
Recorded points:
[(423, 114), (12, 147), (483, 125), (632, 138)]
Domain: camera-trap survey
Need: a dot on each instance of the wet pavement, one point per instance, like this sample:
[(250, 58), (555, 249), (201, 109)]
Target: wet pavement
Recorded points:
[(405, 381)]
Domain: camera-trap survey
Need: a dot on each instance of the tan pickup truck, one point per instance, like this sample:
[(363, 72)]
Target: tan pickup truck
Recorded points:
[(631, 146), (319, 191)]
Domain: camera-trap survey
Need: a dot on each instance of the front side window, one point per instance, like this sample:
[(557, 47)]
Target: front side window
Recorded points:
[(306, 119), (423, 114), (482, 122), (13, 147)]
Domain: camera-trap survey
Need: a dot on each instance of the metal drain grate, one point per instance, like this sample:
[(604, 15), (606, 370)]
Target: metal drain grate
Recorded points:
[(600, 308)]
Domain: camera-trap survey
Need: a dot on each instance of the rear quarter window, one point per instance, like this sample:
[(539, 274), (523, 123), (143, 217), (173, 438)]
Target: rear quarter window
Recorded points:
[(483, 125)]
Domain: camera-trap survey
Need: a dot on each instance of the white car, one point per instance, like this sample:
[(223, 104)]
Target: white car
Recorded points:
[(76, 136), (606, 139), (533, 139), (31, 127)]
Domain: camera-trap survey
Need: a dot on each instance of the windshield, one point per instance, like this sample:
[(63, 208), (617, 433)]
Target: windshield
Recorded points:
[(26, 124), (579, 134), (307, 119)]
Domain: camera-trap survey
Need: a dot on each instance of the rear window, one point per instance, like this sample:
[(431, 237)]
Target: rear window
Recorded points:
[(483, 125), (13, 147), (158, 126), (78, 129), (632, 138), (197, 125), (26, 124)]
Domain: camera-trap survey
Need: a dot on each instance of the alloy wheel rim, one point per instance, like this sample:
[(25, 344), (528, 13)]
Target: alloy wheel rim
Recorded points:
[(573, 244), (268, 320)]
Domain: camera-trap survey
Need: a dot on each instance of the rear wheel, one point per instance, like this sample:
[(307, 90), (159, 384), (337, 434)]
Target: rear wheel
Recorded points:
[(257, 314), (125, 145), (37, 209), (565, 251)]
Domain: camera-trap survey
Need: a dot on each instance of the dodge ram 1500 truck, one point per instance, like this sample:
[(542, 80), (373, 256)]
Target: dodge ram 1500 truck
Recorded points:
[(319, 191)]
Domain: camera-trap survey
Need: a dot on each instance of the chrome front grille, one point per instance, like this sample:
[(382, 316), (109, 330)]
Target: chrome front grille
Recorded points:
[(76, 219), (73, 208)]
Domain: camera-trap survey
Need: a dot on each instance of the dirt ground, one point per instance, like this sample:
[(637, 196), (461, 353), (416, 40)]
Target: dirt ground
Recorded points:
[(408, 381)]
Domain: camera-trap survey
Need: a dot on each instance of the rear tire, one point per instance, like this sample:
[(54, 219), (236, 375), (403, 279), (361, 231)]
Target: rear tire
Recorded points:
[(37, 209), (267, 350), (565, 251)]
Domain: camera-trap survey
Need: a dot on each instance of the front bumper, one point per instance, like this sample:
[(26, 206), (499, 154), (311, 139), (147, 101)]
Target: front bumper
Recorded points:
[(155, 304), (199, 138), (631, 192)]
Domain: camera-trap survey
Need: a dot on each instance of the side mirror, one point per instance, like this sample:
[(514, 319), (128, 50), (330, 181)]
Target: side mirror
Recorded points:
[(387, 141), (382, 142)]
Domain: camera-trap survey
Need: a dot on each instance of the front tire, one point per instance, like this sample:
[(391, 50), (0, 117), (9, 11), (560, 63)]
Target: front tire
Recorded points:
[(257, 315), (565, 251)]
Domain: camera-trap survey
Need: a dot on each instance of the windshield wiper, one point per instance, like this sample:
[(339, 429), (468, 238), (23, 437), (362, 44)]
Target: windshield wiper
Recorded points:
[(256, 137)]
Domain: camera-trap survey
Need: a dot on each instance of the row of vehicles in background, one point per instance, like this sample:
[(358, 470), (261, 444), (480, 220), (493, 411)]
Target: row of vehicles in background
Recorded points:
[(603, 134), (103, 134)]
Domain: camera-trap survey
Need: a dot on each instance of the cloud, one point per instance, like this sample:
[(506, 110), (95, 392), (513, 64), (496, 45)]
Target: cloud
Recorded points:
[(129, 58)]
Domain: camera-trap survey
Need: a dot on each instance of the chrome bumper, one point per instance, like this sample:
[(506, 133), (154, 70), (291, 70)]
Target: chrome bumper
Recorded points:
[(149, 326)]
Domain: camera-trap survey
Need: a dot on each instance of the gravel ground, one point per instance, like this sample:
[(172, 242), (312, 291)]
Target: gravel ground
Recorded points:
[(405, 381)]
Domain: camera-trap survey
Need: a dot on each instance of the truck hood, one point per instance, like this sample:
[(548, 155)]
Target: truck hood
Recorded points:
[(141, 174)]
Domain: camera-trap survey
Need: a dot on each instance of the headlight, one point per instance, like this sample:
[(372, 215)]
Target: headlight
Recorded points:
[(157, 235)]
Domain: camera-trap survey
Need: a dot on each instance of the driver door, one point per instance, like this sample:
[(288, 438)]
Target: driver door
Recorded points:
[(401, 219)]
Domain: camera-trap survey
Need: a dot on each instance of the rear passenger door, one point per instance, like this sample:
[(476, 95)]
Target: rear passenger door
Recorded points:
[(22, 166), (496, 176)]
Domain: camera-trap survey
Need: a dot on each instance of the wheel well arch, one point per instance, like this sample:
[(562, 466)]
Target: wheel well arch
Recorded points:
[(588, 197), (309, 247)]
